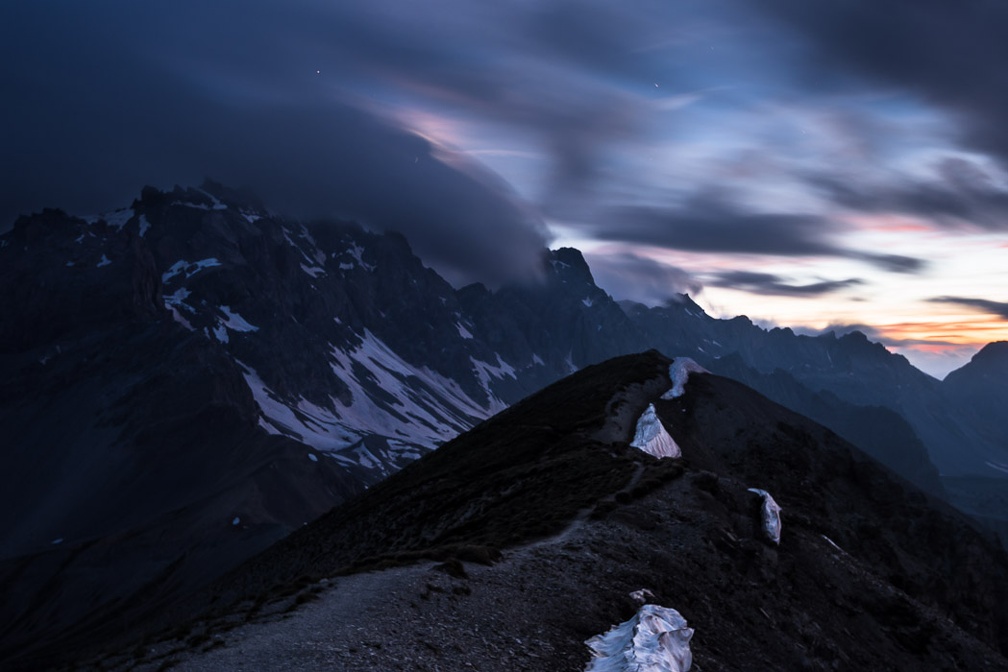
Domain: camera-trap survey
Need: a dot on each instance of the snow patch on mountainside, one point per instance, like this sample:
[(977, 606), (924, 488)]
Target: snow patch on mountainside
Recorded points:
[(485, 372), (215, 203), (189, 268), (656, 639), (177, 316), (394, 398), (175, 301), (383, 456), (412, 408), (500, 370), (116, 219), (318, 427), (236, 322), (313, 271), (355, 253), (651, 437), (313, 260), (679, 372), (407, 451), (998, 466)]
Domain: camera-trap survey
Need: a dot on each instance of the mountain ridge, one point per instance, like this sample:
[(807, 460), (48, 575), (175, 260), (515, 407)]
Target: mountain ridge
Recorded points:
[(546, 505)]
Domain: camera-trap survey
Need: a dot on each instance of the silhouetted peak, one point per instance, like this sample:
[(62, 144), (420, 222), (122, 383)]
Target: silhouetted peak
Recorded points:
[(568, 262), (237, 196), (992, 353), (854, 337)]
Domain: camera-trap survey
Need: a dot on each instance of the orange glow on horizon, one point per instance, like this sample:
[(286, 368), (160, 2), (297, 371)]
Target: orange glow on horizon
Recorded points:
[(943, 335)]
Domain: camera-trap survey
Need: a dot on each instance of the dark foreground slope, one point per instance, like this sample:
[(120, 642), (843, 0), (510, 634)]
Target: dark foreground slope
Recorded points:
[(870, 572)]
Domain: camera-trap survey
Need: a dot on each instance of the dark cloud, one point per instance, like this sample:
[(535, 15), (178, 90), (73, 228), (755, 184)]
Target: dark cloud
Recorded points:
[(558, 74), (133, 96), (996, 308), (315, 104), (629, 276), (894, 263), (474, 62), (960, 193), (951, 54), (768, 283), (710, 222)]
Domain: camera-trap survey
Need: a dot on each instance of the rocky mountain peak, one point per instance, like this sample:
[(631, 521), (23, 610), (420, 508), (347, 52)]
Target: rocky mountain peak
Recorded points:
[(989, 364), (993, 355), (569, 265)]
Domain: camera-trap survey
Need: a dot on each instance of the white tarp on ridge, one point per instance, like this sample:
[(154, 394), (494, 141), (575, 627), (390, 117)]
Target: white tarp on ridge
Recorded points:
[(651, 437), (771, 515), (656, 639), (679, 372)]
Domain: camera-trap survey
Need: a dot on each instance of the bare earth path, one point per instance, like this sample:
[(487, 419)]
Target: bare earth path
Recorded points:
[(413, 618)]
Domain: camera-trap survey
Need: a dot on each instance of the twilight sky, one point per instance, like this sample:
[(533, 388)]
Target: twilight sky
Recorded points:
[(826, 164)]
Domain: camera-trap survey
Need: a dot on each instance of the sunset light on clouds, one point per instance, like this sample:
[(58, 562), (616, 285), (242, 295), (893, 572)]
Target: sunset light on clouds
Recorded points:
[(826, 165)]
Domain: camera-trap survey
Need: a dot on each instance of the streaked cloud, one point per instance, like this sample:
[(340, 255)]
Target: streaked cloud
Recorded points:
[(959, 193), (996, 308), (710, 222), (948, 54), (768, 283)]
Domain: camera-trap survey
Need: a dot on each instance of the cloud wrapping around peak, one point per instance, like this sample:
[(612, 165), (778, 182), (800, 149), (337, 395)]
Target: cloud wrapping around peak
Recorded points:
[(106, 113), (628, 276)]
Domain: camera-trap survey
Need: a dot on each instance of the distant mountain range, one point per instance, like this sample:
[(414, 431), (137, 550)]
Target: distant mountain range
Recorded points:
[(187, 380)]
